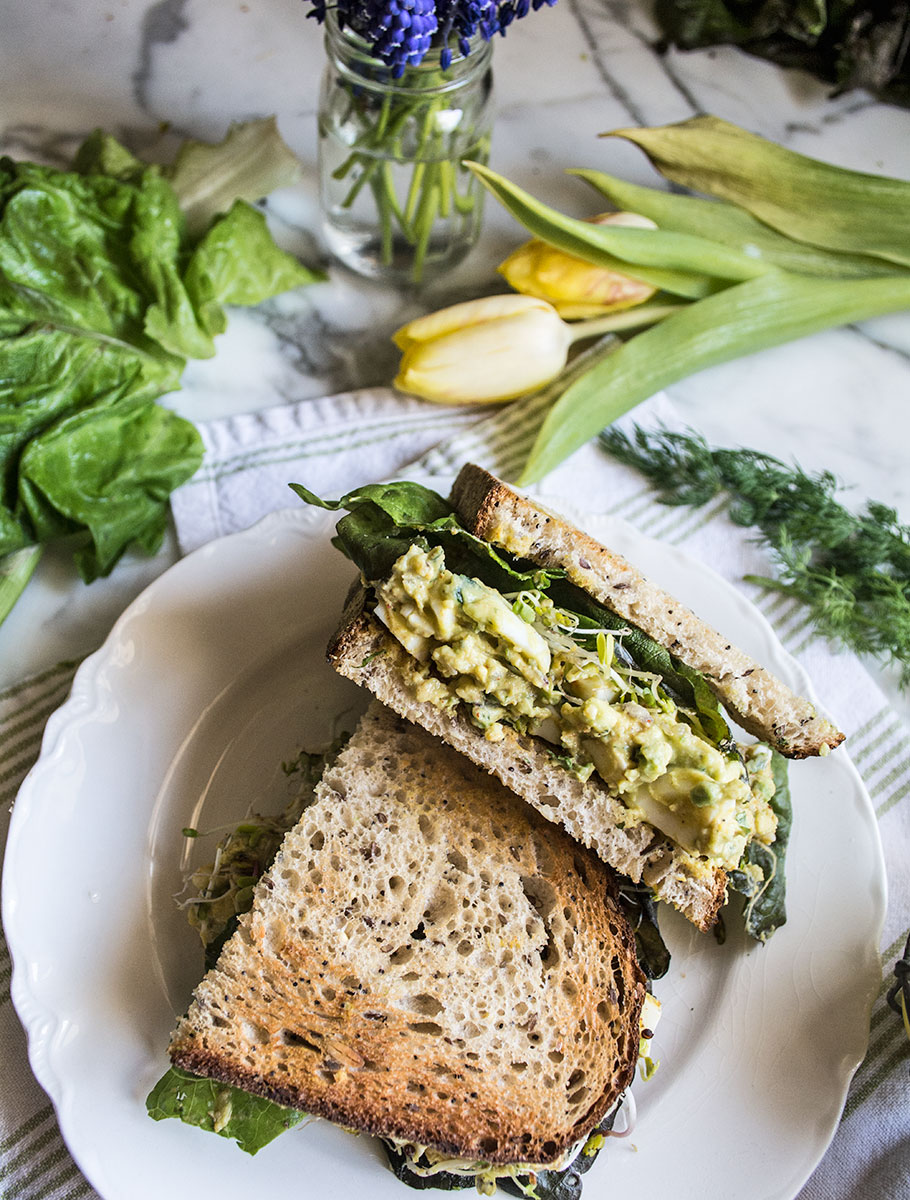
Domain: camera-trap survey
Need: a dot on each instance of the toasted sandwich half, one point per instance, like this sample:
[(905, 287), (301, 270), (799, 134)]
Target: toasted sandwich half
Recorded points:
[(555, 665), (429, 961)]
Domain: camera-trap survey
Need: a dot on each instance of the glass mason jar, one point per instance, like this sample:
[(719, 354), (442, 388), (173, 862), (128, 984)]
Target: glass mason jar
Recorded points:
[(397, 203)]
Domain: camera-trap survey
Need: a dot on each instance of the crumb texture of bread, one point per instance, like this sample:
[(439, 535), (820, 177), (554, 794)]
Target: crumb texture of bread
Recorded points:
[(762, 704), (366, 653), (426, 959)]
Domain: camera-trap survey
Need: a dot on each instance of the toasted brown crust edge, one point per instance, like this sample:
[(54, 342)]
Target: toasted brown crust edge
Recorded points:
[(381, 1123), (480, 498), (354, 650)]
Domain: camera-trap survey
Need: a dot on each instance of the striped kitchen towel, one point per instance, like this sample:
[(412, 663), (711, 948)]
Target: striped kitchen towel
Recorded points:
[(337, 443)]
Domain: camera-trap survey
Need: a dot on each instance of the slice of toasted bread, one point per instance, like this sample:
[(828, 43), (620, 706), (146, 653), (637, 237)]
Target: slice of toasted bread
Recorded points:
[(365, 652), (760, 703), (427, 960)]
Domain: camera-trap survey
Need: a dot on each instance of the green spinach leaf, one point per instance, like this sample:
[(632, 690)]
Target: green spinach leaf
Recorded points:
[(567, 1183), (640, 908), (383, 519), (564, 1184), (442, 1181), (765, 901), (685, 686), (252, 1121)]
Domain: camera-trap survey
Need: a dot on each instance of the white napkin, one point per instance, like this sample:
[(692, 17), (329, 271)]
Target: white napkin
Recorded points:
[(331, 445)]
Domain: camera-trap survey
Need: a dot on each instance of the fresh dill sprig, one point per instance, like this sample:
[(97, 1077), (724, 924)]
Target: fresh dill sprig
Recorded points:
[(852, 570)]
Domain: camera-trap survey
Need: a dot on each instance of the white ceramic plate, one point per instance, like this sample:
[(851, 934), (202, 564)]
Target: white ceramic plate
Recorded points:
[(213, 678)]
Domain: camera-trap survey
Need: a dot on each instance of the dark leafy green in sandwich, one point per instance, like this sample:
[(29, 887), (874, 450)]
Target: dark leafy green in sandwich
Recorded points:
[(412, 1166), (761, 878), (252, 1121)]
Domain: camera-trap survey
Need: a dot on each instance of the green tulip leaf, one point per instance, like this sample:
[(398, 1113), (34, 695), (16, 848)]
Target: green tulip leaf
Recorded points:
[(681, 265), (803, 198), (752, 316), (732, 226)]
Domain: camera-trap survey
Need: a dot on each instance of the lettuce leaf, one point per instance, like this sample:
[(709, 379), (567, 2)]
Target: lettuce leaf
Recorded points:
[(104, 294), (250, 163)]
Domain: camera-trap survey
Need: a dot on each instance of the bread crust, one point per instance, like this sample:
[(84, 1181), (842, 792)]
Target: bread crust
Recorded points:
[(374, 998), (365, 652), (762, 704)]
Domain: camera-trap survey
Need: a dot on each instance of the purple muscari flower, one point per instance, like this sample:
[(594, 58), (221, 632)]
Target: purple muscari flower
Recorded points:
[(462, 19), (400, 32)]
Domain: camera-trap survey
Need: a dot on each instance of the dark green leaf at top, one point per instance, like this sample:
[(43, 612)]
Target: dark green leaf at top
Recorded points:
[(383, 519), (407, 505), (854, 44)]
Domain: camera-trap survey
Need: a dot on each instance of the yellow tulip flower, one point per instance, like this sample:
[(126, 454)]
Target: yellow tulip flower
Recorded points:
[(576, 288), (482, 351), (498, 347)]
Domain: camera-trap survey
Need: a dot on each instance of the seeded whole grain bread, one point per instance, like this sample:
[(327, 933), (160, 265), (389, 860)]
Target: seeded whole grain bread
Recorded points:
[(426, 960), (364, 651), (760, 703)]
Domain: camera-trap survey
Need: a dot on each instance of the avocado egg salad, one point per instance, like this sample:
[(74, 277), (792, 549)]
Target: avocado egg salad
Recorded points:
[(514, 646), (518, 659)]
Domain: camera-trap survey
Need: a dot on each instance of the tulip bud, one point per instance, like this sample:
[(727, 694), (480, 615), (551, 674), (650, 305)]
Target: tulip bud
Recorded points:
[(574, 287), (483, 351)]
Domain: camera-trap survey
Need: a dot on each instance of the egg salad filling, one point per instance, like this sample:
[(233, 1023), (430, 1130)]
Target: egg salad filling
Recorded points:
[(518, 660)]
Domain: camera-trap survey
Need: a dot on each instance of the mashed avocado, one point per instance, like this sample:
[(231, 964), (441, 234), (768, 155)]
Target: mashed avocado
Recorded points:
[(519, 661)]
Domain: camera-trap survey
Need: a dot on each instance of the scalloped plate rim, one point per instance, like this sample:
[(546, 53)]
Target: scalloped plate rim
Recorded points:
[(44, 1025)]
